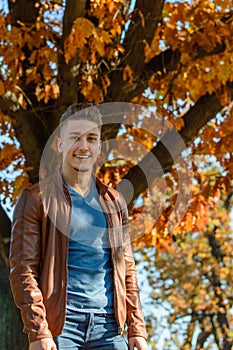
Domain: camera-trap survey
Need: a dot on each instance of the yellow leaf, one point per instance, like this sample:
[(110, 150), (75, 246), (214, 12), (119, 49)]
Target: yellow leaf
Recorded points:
[(91, 91), (22, 101), (31, 74), (105, 83), (177, 123), (99, 45), (224, 96), (82, 30), (147, 51), (84, 54), (128, 74), (47, 91), (188, 222), (55, 91), (47, 72), (120, 48), (2, 88), (39, 93), (185, 58)]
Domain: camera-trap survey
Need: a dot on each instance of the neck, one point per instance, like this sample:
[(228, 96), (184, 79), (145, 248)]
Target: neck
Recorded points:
[(80, 181)]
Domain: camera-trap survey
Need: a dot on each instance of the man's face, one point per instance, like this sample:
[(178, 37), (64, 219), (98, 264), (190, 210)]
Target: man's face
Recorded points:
[(80, 145)]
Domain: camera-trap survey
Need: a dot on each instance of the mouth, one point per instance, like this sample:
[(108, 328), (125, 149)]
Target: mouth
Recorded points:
[(82, 157)]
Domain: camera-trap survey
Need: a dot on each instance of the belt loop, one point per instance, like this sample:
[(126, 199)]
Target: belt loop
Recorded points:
[(90, 325)]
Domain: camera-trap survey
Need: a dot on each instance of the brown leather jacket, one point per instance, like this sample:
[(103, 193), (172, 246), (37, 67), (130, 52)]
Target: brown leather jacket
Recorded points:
[(38, 259)]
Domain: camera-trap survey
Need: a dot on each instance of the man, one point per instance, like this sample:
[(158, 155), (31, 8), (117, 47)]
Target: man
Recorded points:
[(72, 270)]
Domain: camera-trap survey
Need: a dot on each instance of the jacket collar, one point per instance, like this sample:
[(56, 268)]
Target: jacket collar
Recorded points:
[(101, 187)]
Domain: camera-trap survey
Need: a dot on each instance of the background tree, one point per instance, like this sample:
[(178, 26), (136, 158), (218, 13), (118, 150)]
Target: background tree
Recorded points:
[(193, 281), (175, 56)]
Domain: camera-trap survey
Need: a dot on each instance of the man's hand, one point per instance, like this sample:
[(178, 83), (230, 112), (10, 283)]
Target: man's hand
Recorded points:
[(138, 343), (43, 344)]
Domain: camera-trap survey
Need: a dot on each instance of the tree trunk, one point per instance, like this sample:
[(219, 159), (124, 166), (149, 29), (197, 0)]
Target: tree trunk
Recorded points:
[(11, 326)]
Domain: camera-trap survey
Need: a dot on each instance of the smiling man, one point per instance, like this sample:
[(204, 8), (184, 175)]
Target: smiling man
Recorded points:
[(74, 282)]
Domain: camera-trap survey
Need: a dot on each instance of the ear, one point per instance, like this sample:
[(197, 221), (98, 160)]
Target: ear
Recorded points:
[(59, 145)]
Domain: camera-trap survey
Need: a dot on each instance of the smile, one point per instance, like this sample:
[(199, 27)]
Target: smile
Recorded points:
[(82, 157)]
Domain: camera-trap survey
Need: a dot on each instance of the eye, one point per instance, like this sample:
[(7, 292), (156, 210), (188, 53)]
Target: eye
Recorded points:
[(92, 139), (74, 138)]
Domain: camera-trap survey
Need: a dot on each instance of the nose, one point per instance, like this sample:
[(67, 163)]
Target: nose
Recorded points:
[(83, 145)]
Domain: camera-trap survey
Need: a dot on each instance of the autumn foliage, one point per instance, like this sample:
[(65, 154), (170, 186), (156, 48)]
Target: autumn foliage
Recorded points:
[(175, 59), (193, 284)]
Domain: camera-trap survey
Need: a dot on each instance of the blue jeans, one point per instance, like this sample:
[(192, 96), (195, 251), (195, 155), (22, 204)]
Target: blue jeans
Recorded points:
[(90, 331)]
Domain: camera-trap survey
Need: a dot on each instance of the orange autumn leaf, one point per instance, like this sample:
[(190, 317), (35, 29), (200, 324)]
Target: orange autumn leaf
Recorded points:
[(82, 30), (92, 92), (128, 74), (2, 88)]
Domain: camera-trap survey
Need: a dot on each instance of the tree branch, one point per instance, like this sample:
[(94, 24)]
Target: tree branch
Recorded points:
[(167, 61), (190, 332), (141, 29), (142, 175), (24, 11), (68, 73)]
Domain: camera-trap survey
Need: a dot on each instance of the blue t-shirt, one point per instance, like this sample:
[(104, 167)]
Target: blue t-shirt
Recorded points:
[(90, 272)]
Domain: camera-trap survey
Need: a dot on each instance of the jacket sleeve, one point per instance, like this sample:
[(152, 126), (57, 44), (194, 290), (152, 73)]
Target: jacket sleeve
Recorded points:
[(25, 251), (135, 318)]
